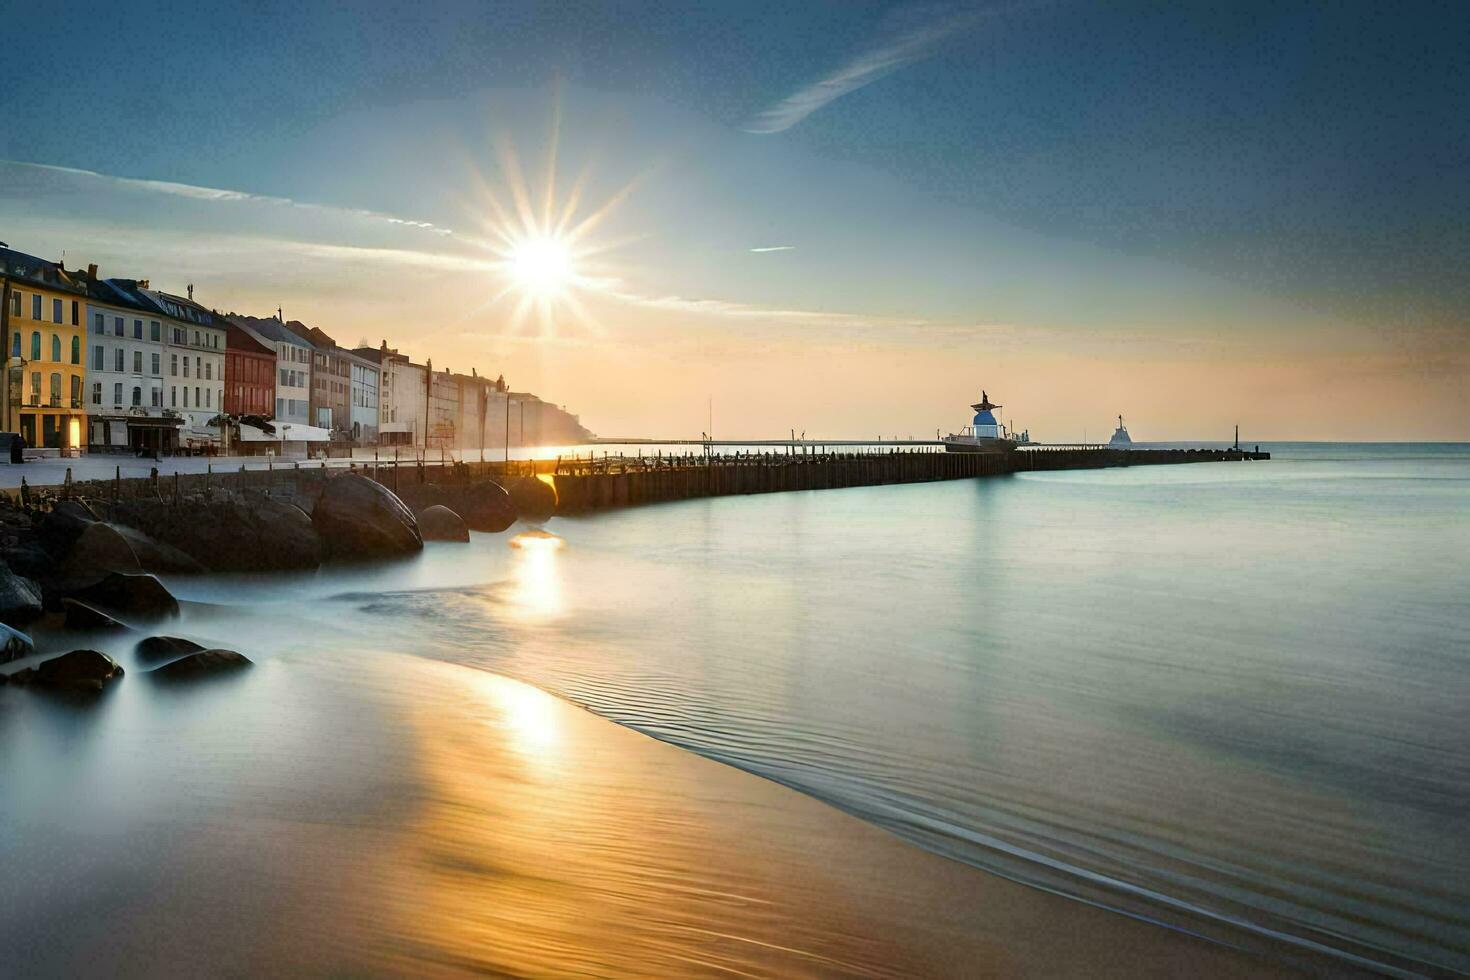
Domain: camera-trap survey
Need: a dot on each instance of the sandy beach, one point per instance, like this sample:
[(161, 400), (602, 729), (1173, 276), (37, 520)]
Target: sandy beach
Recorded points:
[(392, 815)]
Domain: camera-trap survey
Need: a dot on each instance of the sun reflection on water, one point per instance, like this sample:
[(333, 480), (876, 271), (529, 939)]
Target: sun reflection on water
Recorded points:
[(537, 592)]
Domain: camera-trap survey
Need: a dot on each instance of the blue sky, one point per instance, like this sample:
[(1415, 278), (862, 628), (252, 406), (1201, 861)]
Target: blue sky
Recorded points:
[(1033, 186)]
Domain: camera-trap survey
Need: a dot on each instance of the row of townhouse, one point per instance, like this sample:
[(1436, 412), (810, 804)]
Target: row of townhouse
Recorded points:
[(116, 365)]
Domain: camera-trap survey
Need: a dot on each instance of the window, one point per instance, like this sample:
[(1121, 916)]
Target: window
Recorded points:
[(56, 318), (137, 329), (99, 323), (35, 387), (155, 332), (117, 326), (186, 365), (117, 394), (56, 386), (280, 407), (15, 302), (156, 358), (15, 344), (173, 365), (96, 393), (36, 315), (76, 391), (173, 397), (284, 382), (137, 362), (137, 397), (99, 357), (35, 345), (157, 398), (56, 347), (76, 313), (208, 397), (76, 350), (117, 360), (186, 396), (208, 371), (197, 400)]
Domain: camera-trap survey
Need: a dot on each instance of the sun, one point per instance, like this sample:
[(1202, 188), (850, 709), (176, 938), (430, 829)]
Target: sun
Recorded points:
[(542, 266)]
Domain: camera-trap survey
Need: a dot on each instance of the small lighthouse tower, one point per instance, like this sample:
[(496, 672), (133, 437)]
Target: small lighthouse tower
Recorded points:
[(986, 427), (1120, 435)]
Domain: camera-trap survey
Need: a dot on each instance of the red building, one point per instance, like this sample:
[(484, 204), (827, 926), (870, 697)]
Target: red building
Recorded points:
[(250, 374)]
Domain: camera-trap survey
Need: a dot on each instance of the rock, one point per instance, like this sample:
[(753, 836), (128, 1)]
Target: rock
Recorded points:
[(165, 648), (98, 550), (360, 518), (142, 596), (201, 664), (80, 616), (534, 500), (80, 670), (229, 532), (439, 523), (484, 505), (20, 598), (14, 645), (155, 556)]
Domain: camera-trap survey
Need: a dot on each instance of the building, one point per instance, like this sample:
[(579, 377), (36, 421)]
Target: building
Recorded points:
[(534, 422), (194, 355), (403, 390), (443, 430), (293, 366), (331, 382), (364, 380), (124, 383), (43, 335), (479, 414), (250, 373)]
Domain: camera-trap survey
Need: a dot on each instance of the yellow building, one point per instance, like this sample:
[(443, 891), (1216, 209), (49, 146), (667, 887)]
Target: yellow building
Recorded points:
[(44, 324)]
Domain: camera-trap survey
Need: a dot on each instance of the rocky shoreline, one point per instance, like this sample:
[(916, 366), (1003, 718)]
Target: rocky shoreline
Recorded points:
[(91, 564)]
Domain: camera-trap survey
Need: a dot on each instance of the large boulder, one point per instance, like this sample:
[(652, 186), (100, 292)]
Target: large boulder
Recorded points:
[(98, 550), (20, 598), (136, 596), (534, 499), (439, 523), (156, 648), (201, 664), (228, 532), (360, 518), (155, 556), (483, 504), (14, 644), (80, 616), (80, 670)]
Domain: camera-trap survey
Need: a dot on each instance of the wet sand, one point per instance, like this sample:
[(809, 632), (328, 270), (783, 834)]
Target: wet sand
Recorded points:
[(391, 815)]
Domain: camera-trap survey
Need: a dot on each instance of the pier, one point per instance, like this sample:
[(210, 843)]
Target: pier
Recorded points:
[(621, 480)]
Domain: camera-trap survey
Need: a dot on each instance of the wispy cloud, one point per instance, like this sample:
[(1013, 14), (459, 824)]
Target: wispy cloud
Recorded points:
[(774, 248), (897, 47), (198, 193)]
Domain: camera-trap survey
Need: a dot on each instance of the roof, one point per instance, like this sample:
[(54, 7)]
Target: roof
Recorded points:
[(42, 272), (237, 338), (269, 330), (182, 308)]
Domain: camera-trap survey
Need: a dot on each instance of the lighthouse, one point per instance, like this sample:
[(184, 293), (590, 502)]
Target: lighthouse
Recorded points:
[(986, 427)]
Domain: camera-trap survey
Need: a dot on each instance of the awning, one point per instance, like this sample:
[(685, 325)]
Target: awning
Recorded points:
[(285, 432)]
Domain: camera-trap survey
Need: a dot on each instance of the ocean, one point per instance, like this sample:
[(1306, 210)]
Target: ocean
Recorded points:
[(1211, 695)]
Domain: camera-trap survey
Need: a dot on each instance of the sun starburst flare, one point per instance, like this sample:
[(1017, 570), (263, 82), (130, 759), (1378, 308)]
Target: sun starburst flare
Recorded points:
[(545, 258)]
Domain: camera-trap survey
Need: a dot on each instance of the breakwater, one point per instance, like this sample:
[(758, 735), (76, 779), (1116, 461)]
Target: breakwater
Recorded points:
[(615, 481)]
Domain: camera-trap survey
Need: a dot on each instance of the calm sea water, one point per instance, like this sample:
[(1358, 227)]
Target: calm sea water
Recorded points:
[(1206, 693)]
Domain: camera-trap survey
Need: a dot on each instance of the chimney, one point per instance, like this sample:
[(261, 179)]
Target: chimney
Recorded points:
[(92, 271), (191, 292), (143, 284)]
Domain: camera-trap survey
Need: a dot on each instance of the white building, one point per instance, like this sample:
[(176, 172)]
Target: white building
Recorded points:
[(194, 365), (124, 356), (403, 392)]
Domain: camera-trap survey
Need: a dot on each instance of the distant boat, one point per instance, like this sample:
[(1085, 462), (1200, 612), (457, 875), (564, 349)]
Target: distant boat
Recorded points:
[(983, 435), (1120, 436)]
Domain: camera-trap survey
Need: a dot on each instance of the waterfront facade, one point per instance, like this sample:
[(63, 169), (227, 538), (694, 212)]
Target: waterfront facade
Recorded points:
[(293, 366), (44, 306), (124, 384), (403, 393), (194, 349), (250, 373), (443, 420), (364, 379)]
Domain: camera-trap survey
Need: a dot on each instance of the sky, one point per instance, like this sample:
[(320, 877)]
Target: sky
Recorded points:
[(840, 218)]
